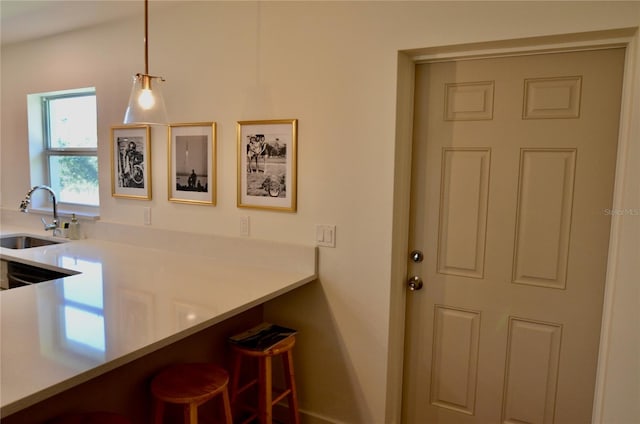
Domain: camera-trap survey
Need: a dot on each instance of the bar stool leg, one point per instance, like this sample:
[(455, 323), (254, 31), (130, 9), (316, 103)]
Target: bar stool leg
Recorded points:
[(289, 373), (191, 413), (227, 407), (264, 384), (235, 377), (158, 411)]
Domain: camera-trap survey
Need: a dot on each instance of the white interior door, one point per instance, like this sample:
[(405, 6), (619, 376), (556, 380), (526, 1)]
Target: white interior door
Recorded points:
[(513, 167)]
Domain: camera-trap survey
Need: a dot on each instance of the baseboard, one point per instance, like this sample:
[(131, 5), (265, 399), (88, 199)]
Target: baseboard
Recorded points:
[(281, 415)]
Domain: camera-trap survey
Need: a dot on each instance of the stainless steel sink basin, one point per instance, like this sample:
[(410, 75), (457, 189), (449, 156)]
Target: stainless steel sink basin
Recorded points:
[(24, 241)]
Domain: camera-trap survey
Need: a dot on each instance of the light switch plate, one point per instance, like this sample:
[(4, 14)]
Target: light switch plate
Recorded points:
[(326, 235)]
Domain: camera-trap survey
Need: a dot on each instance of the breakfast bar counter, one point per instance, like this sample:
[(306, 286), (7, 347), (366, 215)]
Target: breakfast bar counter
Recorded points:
[(127, 300)]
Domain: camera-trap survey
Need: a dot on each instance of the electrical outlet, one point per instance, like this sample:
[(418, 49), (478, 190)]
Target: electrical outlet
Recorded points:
[(147, 216), (244, 226)]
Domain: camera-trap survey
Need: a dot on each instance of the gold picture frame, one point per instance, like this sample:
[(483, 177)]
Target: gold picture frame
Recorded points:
[(192, 163), (267, 164), (131, 161)]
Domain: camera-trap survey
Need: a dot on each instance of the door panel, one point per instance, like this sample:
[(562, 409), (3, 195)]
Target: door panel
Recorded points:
[(455, 361), (513, 165), (543, 216), (463, 211), (533, 353)]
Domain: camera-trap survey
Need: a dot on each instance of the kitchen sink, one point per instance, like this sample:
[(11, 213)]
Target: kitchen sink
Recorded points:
[(23, 241), (19, 274)]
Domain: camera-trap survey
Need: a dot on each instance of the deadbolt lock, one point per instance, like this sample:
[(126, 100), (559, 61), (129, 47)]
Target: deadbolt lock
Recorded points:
[(416, 256)]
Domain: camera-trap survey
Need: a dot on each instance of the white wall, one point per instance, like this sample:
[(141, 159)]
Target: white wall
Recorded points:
[(334, 67)]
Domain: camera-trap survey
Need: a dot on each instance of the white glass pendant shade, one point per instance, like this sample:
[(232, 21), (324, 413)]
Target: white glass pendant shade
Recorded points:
[(146, 103)]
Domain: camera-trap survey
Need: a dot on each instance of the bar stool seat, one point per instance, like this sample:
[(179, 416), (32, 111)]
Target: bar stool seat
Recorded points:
[(190, 385), (266, 398), (91, 418)]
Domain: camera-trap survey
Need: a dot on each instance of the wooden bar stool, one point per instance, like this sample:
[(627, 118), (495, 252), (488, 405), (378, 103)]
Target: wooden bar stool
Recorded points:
[(190, 385), (91, 418), (266, 397)]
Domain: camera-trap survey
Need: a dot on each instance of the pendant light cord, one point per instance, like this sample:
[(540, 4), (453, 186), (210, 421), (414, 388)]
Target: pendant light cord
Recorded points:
[(146, 37)]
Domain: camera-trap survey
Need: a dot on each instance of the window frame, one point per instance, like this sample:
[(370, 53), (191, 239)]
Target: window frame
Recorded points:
[(41, 151)]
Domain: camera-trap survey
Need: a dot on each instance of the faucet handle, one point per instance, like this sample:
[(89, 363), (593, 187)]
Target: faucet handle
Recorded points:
[(53, 225)]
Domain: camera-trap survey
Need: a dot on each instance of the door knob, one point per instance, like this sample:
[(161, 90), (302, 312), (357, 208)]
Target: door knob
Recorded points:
[(414, 283)]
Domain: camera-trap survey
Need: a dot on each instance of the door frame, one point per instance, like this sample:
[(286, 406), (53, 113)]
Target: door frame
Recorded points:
[(407, 61)]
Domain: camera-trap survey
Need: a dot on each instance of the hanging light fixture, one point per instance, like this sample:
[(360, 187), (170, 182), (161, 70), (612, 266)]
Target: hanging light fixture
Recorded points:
[(146, 105)]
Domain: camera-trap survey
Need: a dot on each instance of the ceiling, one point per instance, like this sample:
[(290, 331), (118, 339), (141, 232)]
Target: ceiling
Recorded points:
[(22, 20)]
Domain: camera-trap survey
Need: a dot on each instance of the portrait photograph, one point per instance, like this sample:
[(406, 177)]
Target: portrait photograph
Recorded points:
[(130, 161)]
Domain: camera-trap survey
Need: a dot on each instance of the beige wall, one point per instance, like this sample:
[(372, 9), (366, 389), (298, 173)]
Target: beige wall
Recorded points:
[(618, 386), (334, 67)]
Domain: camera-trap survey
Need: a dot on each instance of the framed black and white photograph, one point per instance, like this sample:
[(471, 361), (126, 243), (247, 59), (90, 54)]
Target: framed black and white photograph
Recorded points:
[(131, 161), (267, 168), (192, 163)]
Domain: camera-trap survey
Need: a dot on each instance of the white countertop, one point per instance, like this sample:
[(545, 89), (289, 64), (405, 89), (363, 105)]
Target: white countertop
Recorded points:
[(127, 301)]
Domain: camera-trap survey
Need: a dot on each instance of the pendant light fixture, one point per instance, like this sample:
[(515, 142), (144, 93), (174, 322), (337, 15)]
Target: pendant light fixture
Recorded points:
[(146, 105)]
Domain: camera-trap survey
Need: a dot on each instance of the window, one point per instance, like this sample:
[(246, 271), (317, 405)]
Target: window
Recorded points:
[(63, 145), (70, 128)]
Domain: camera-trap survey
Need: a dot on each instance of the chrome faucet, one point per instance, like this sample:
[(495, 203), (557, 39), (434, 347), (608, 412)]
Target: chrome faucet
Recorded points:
[(24, 205)]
